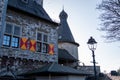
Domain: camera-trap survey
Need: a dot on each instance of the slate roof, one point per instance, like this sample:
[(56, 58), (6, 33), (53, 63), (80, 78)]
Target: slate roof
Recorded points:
[(54, 68), (31, 8), (64, 32), (6, 73), (64, 55)]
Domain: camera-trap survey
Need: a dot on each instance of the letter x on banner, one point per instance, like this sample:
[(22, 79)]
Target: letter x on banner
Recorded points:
[(23, 43), (32, 45), (51, 49)]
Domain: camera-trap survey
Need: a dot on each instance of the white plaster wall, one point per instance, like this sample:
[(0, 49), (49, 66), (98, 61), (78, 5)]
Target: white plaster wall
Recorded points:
[(76, 77), (53, 78), (69, 77), (71, 48)]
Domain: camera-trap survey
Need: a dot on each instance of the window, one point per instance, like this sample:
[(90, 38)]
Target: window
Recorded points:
[(6, 40), (45, 44), (11, 36), (15, 42), (42, 42), (45, 48), (39, 47)]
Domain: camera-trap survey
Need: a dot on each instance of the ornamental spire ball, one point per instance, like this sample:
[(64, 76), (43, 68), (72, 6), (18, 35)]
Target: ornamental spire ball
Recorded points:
[(63, 15)]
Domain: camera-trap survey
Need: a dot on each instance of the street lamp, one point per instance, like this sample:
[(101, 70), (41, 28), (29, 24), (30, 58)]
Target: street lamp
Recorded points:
[(92, 44)]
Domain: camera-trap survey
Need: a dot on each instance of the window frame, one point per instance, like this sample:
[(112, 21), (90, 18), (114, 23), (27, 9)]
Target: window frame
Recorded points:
[(12, 35), (42, 42), (7, 42), (15, 43)]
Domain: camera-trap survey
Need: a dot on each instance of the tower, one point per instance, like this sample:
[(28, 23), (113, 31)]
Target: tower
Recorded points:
[(66, 43), (64, 31)]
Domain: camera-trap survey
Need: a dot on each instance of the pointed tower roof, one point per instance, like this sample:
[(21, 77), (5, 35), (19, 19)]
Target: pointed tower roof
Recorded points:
[(64, 32)]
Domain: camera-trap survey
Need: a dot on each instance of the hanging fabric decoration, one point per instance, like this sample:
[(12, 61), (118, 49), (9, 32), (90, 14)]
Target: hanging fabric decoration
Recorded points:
[(51, 49), (23, 43), (32, 45)]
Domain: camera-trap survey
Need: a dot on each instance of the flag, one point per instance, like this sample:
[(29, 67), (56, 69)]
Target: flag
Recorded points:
[(51, 49), (23, 43), (32, 45)]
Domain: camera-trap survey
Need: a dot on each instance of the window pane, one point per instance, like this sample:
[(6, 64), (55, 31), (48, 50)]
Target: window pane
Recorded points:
[(17, 30), (6, 40), (45, 48), (8, 28), (45, 37), (15, 42), (39, 47), (39, 36)]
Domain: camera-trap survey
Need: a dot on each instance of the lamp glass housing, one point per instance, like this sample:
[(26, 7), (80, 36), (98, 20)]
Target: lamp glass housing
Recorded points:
[(92, 44)]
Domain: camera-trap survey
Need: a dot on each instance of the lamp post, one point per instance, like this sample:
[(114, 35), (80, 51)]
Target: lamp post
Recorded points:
[(92, 44)]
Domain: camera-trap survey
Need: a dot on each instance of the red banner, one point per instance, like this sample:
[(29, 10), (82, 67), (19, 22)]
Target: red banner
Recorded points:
[(23, 43), (51, 49), (32, 45)]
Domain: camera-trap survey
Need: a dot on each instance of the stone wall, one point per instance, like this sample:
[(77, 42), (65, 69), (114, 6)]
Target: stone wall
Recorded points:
[(29, 26), (22, 58), (3, 6), (1, 11)]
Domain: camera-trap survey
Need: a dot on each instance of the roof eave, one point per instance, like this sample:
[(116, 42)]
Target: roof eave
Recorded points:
[(55, 69), (62, 41)]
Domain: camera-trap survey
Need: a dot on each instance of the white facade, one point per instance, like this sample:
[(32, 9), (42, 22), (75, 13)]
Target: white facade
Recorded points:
[(71, 48), (68, 77), (74, 77)]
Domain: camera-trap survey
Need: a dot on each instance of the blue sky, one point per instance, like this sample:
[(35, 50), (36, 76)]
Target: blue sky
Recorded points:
[(83, 21)]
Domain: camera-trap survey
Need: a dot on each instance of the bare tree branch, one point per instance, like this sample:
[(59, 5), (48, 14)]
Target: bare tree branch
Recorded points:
[(110, 18)]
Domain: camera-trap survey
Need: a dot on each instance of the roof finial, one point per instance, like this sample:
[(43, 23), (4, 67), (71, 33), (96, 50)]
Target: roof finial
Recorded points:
[(63, 14), (63, 8)]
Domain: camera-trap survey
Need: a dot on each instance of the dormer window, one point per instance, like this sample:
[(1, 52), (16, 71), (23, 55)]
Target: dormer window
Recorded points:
[(25, 1)]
